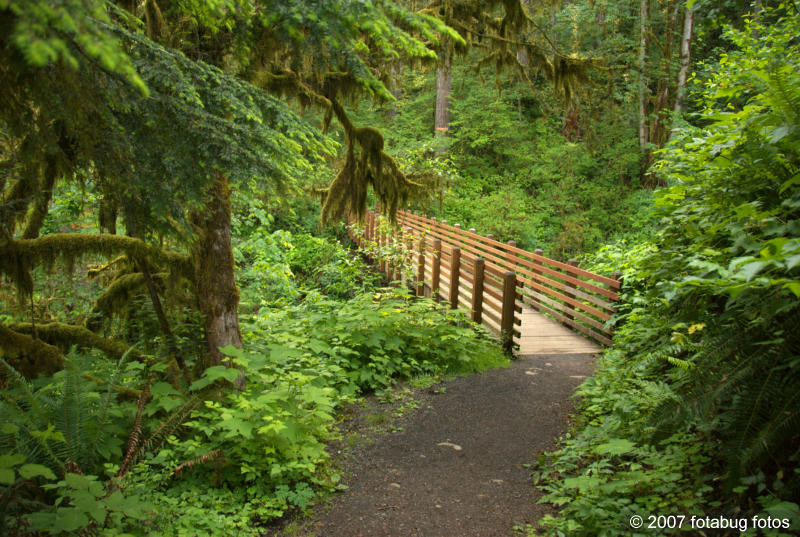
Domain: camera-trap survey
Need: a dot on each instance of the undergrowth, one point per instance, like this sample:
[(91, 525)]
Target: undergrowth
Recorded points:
[(92, 450)]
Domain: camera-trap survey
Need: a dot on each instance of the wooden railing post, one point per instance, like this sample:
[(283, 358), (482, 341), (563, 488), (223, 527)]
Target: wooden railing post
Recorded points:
[(539, 252), (477, 289), (510, 254), (397, 266), (408, 257), (421, 266), (568, 285), (455, 271), (381, 244), (437, 258), (507, 318)]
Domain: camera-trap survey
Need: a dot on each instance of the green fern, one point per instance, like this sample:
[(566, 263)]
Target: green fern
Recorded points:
[(743, 393)]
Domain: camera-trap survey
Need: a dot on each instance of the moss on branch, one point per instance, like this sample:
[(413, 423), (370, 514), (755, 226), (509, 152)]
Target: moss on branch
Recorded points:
[(371, 166), (31, 357), (64, 336), (18, 258)]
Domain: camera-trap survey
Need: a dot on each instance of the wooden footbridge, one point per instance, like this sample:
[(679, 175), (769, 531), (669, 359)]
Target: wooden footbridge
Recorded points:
[(535, 304)]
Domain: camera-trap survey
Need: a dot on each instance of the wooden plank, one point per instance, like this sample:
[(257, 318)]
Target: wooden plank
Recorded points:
[(492, 293), (586, 330), (538, 297), (492, 316), (569, 300), (534, 298)]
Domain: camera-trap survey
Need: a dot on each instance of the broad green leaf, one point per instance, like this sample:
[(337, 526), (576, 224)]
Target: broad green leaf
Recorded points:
[(616, 446), (29, 471)]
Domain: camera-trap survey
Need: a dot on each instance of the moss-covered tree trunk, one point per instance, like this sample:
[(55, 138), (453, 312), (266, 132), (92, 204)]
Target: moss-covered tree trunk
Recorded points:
[(38, 212), (215, 285)]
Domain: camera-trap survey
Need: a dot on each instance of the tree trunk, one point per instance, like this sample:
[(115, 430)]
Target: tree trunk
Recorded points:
[(443, 83), (643, 134), (216, 290), (686, 47), (395, 72), (37, 213)]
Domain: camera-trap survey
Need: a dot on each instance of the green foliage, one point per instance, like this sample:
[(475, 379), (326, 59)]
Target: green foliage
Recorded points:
[(58, 436), (510, 171), (373, 338), (701, 382), (279, 268), (84, 502), (47, 33)]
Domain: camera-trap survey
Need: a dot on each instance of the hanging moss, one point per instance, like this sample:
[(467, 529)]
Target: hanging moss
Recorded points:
[(64, 336), (29, 356), (16, 198), (114, 299), (370, 167), (107, 215)]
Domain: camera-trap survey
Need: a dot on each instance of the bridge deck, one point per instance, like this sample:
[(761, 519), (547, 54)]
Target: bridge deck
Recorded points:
[(539, 333), (542, 335)]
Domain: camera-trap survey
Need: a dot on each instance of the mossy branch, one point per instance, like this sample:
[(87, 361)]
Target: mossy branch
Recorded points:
[(31, 357), (116, 296), (64, 336), (17, 258)]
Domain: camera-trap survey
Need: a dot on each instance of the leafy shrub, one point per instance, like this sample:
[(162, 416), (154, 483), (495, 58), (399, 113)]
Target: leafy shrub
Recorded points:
[(326, 266), (62, 436)]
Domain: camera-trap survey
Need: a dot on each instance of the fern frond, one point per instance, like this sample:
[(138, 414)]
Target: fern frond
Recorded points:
[(214, 455), (109, 396), (137, 448), (134, 438)]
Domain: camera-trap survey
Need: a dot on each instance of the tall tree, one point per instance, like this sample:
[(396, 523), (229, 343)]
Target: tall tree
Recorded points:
[(644, 15), (686, 49), (444, 79)]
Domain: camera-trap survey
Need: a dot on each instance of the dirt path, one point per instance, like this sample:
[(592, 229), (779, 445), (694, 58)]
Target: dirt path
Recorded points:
[(458, 468)]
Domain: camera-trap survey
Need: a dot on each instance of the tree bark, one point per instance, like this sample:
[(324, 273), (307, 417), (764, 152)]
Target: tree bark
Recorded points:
[(395, 72), (443, 84), (686, 47), (643, 134), (215, 283)]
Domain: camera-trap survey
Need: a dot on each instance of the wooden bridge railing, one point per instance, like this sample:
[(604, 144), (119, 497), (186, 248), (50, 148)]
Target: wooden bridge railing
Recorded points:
[(491, 279)]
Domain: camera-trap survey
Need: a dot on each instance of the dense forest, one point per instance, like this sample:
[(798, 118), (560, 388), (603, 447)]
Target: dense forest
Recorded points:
[(183, 317)]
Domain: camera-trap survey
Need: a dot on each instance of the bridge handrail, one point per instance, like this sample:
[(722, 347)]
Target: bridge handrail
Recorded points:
[(509, 277)]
